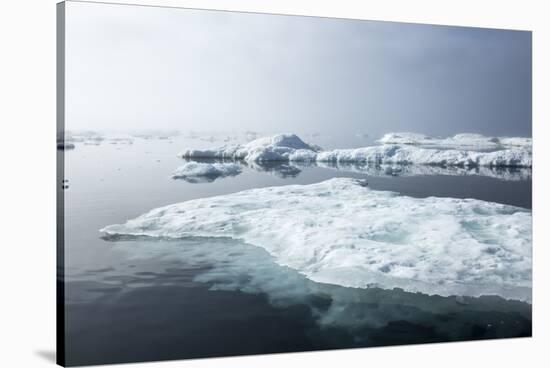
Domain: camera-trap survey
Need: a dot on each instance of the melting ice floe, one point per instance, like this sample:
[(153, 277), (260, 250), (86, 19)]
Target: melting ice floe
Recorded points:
[(458, 140), (200, 172), (225, 264), (289, 147), (340, 232)]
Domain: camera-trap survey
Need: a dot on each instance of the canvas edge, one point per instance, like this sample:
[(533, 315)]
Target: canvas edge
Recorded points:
[(60, 175)]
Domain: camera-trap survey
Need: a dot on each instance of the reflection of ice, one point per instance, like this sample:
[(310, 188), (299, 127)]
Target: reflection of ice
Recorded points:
[(204, 172), (293, 169), (277, 168), (231, 265), (340, 232), (502, 173)]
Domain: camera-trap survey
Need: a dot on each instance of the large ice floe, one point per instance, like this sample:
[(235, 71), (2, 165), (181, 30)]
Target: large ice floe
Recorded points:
[(471, 140), (289, 147), (230, 265), (411, 155), (201, 172), (341, 232)]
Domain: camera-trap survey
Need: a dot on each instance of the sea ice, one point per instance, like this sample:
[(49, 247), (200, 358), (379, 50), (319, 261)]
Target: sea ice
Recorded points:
[(200, 172), (289, 147), (341, 232), (281, 147), (87, 137), (472, 140), (407, 155), (234, 265)]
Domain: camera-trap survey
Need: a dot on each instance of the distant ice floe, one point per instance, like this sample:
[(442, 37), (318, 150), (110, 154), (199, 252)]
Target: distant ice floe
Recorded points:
[(412, 155), (121, 140), (202, 172), (219, 136), (88, 137), (289, 147), (151, 134), (282, 147), (458, 140), (340, 232), (66, 140)]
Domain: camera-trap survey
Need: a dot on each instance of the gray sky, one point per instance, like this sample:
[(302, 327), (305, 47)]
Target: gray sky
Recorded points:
[(132, 67)]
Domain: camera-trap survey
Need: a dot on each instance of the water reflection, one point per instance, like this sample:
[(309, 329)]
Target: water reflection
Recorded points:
[(502, 173), (280, 169), (293, 169)]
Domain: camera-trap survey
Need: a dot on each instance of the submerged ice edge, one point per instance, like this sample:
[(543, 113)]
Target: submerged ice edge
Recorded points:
[(233, 265), (339, 232), (289, 147)]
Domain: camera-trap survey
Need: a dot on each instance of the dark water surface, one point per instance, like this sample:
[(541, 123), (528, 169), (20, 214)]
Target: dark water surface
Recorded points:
[(131, 300)]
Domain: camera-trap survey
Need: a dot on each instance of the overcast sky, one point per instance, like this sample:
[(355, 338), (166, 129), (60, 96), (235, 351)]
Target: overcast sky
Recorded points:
[(132, 67)]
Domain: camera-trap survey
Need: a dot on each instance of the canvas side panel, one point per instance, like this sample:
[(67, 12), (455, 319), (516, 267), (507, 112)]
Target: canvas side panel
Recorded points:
[(60, 112)]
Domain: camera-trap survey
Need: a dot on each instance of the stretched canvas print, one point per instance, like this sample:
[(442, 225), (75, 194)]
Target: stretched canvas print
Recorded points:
[(237, 183)]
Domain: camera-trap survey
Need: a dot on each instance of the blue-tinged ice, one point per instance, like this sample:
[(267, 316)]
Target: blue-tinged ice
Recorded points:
[(341, 232)]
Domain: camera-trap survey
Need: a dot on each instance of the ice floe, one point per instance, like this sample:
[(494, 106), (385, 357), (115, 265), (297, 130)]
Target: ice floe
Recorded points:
[(340, 232), (87, 137), (225, 264), (281, 147), (289, 147), (412, 155), (201, 172), (121, 140), (472, 140)]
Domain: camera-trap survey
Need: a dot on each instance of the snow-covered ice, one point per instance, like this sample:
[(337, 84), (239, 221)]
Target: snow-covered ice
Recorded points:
[(516, 141), (289, 147), (341, 232), (200, 172), (281, 147), (412, 155), (459, 140)]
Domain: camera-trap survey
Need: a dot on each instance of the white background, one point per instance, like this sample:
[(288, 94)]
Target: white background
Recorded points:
[(27, 203)]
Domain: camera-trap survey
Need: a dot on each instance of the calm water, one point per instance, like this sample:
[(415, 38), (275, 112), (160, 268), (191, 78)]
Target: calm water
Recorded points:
[(133, 299)]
